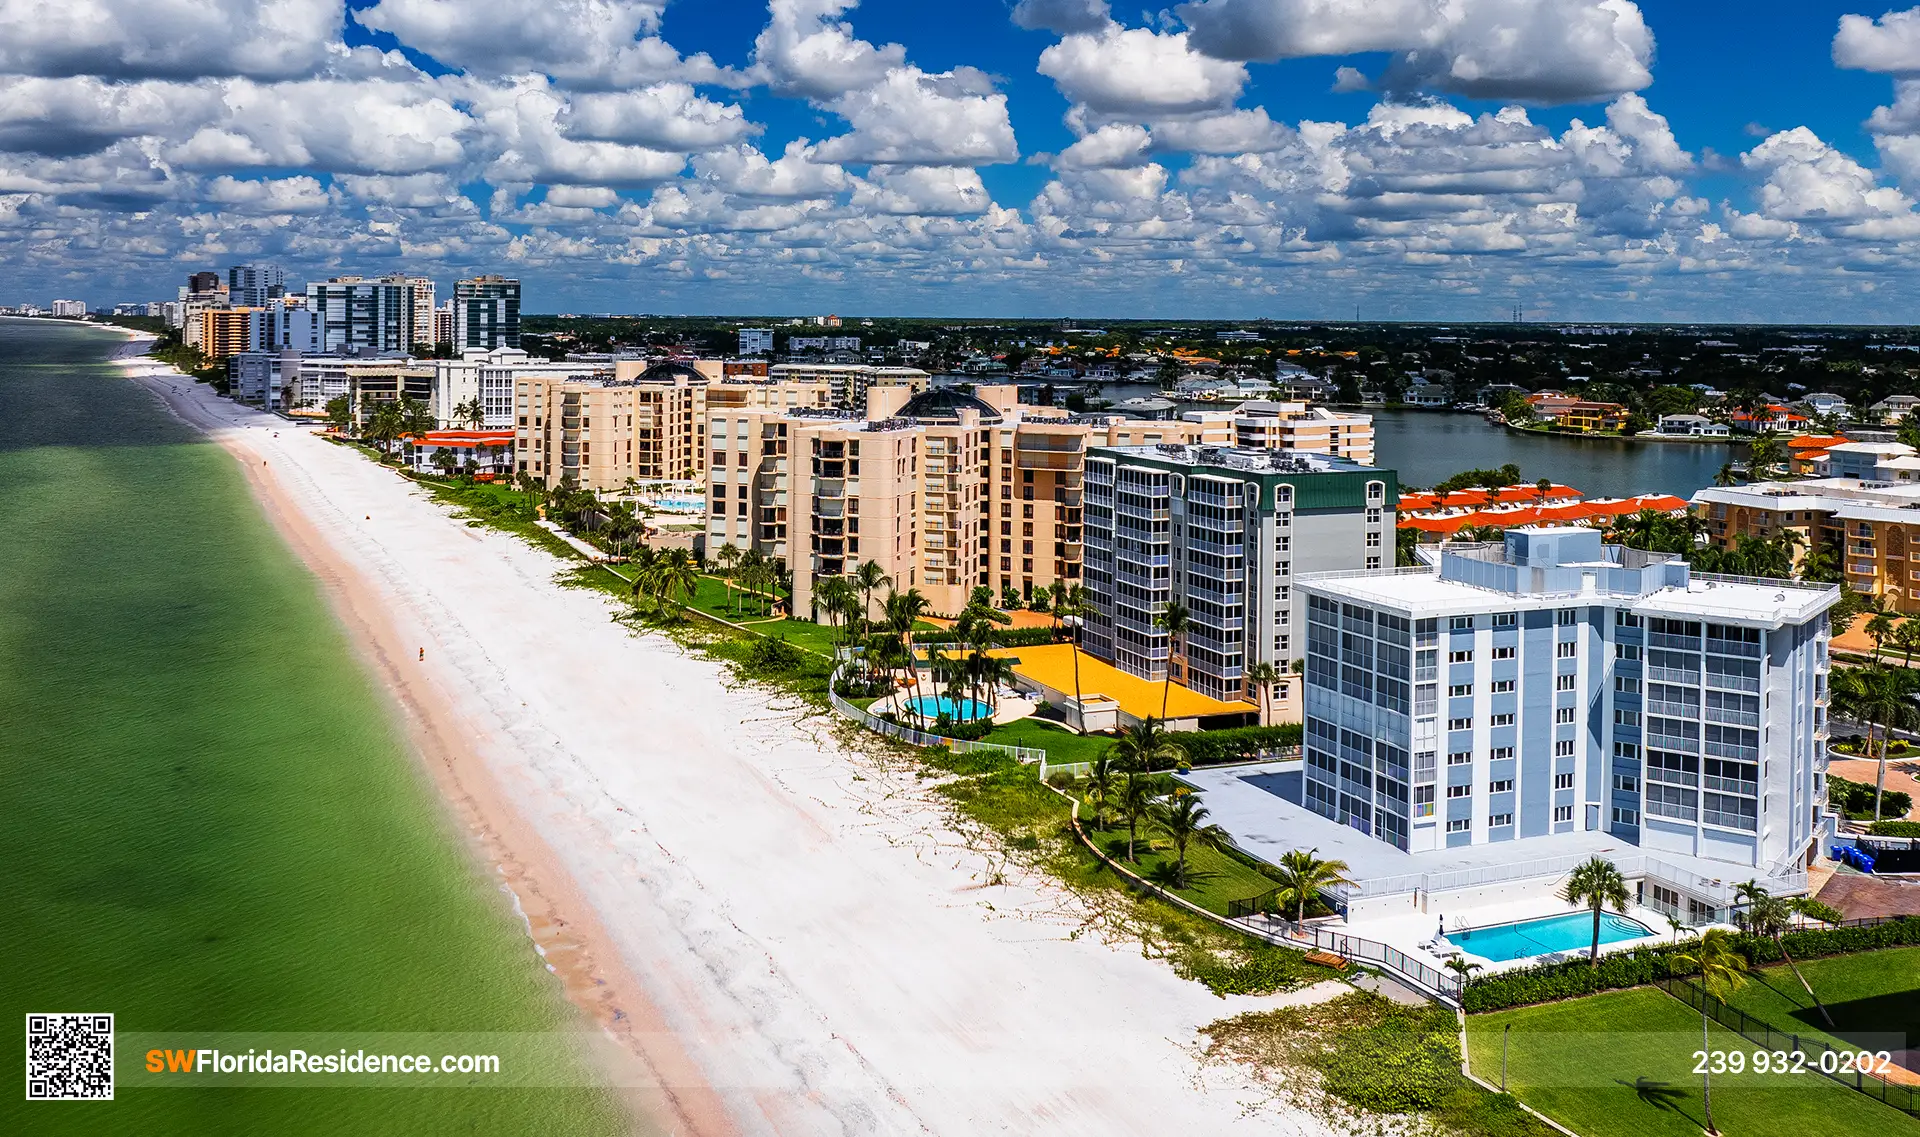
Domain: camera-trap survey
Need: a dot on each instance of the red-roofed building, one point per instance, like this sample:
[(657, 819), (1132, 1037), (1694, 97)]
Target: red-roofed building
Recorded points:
[(490, 451), (1578, 414), (1775, 419), (1806, 453)]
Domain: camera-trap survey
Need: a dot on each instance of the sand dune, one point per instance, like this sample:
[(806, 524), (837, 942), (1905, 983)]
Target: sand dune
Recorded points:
[(783, 932)]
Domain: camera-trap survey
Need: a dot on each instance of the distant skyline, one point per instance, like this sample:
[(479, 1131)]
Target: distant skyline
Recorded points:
[(1411, 160)]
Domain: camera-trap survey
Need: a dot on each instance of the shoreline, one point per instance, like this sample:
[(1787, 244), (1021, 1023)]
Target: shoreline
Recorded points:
[(562, 927), (803, 920)]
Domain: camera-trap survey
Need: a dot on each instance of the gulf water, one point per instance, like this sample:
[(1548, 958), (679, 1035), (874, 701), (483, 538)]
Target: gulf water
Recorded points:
[(208, 819)]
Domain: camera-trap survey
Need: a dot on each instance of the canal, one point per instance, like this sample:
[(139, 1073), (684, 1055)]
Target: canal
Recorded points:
[(1430, 446)]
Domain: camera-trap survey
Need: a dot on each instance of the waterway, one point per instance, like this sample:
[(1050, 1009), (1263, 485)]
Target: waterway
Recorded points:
[(1426, 447), (208, 819), (1430, 446)]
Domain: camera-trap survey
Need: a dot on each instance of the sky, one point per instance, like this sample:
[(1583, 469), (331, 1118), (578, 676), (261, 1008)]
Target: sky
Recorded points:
[(1429, 160)]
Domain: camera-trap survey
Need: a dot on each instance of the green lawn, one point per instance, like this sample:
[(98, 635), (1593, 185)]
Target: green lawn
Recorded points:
[(1213, 877), (1060, 745), (1621, 1065), (1870, 995)]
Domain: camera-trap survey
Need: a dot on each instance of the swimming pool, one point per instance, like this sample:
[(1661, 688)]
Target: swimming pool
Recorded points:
[(680, 504), (1549, 934), (933, 706)]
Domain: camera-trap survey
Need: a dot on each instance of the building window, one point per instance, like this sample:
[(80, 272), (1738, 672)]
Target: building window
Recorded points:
[(1499, 820), (1373, 562), (1563, 781), (1566, 649), (1503, 653), (1626, 651), (1459, 826), (1563, 715), (1502, 687), (1625, 816), (1626, 684), (1460, 724), (1563, 682), (1423, 801), (1460, 758), (1503, 786), (1563, 748), (1626, 750), (1625, 619), (1626, 718), (1567, 617), (1458, 689), (1460, 624), (1501, 754), (1460, 657), (1562, 813), (1459, 791), (1373, 540), (1504, 620), (1502, 720), (1626, 783)]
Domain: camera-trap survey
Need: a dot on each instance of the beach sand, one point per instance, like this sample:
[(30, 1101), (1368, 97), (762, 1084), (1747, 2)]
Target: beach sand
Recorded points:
[(783, 932)]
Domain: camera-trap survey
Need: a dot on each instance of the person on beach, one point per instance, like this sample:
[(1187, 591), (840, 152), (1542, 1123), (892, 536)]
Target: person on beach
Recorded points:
[(423, 655)]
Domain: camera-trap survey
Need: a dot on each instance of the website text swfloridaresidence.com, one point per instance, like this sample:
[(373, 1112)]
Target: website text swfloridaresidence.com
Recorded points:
[(491, 1059), (209, 1061)]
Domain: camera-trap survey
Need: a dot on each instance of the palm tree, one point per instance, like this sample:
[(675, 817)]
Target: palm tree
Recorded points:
[(1263, 676), (1906, 637), (1879, 630), (1147, 744), (1184, 821), (996, 671), (1720, 970), (1543, 487), (1880, 698), (836, 597), (1103, 777), (1136, 800), (1173, 619), (1074, 607), (1772, 916), (1726, 476), (868, 578), (1596, 883), (1303, 876), (902, 610), (471, 413), (1462, 969)]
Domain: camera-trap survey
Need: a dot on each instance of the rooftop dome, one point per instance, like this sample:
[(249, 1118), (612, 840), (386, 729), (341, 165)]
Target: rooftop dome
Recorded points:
[(669, 371), (944, 404)]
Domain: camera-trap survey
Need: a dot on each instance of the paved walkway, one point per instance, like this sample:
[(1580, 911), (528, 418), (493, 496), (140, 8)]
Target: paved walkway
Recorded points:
[(1900, 776)]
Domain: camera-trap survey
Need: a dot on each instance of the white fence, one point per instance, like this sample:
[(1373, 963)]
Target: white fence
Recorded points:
[(1717, 890), (912, 737)]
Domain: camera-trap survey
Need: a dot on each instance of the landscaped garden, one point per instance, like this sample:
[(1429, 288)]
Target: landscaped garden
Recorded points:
[(1873, 998)]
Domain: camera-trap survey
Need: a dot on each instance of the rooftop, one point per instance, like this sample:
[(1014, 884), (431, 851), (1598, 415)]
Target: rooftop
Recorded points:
[(1051, 665), (1251, 461)]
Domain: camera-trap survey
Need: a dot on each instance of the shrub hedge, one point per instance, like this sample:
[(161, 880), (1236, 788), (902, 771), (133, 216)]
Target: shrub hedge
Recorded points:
[(1550, 981), (1895, 829), (1212, 747), (1002, 637)]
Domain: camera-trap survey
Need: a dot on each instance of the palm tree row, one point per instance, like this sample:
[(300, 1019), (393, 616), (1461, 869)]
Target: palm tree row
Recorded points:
[(1124, 778), (668, 579)]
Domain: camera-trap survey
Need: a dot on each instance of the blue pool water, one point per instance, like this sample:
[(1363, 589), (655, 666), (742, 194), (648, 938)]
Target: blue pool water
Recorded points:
[(933, 706), (682, 504), (1572, 932)]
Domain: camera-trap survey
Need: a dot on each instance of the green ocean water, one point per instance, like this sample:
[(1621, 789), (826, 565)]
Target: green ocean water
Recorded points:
[(208, 821)]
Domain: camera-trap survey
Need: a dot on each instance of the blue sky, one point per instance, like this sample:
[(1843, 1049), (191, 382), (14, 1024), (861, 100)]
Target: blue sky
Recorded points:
[(1591, 159)]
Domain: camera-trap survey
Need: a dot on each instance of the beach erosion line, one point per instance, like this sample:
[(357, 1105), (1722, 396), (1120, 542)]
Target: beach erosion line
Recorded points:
[(785, 939)]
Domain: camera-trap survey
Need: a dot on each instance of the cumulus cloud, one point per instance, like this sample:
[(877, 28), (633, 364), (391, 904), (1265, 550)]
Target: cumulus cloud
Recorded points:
[(1139, 72), (1063, 16), (122, 39), (1888, 44), (1548, 51), (668, 116), (589, 43), (912, 117), (1809, 181), (928, 191), (807, 50)]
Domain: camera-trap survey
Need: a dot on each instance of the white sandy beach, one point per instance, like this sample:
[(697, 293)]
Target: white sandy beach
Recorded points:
[(800, 943)]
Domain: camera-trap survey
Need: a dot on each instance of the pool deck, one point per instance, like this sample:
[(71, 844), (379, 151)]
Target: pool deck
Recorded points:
[(1258, 806)]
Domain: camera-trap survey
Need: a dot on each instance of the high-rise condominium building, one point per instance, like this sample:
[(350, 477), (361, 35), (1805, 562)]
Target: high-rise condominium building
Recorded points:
[(1263, 425), (229, 331), (371, 315), (850, 381), (997, 497), (486, 313), (1225, 533), (492, 378), (600, 432), (204, 282), (424, 334), (1590, 695), (252, 286), (756, 341)]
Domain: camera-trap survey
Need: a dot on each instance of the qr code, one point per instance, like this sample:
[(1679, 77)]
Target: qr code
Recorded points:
[(69, 1057)]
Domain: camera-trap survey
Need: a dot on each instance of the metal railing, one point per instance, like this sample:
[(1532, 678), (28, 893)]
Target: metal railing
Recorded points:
[(1821, 1057), (1428, 979), (1720, 891), (912, 737)]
